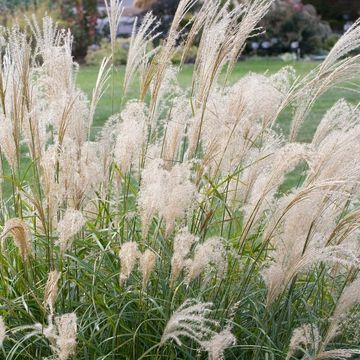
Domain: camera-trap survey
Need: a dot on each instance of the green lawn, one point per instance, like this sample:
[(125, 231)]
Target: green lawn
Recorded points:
[(87, 78)]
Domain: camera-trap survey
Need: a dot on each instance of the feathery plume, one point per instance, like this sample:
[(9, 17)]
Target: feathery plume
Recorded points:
[(81, 171), (170, 193), (285, 268), (66, 326), (147, 263), (71, 223), (51, 290), (341, 116), (132, 135), (212, 51), (271, 177), (138, 54), (219, 343), (182, 245), (253, 14), (348, 299), (336, 68), (305, 335), (308, 335), (47, 36), (157, 69), (192, 320), (128, 255), (271, 90), (339, 354), (61, 332), (114, 11), (209, 257), (7, 142), (2, 331), (175, 130), (20, 233), (100, 88), (348, 42), (177, 196), (206, 12)]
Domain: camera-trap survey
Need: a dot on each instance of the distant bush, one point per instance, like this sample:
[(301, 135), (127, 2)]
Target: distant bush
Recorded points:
[(285, 24), (21, 11), (190, 57), (96, 55), (330, 41)]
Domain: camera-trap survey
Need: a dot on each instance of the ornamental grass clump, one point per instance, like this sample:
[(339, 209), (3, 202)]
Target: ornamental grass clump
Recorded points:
[(174, 232)]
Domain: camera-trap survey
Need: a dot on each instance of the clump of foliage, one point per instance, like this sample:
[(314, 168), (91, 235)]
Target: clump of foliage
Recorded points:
[(338, 11), (167, 235), (285, 24), (96, 55), (18, 12), (81, 18)]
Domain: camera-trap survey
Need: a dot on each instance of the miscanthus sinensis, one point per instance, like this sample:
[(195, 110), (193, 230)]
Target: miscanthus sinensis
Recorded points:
[(2, 331), (132, 136), (158, 197), (209, 257), (147, 263), (71, 223), (19, 231), (60, 331), (193, 319), (128, 255), (308, 341), (114, 11), (183, 243), (141, 39), (51, 290), (166, 192), (62, 335)]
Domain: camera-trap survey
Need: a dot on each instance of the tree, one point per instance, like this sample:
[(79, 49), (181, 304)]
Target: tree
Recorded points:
[(334, 13), (164, 10), (81, 19), (285, 24)]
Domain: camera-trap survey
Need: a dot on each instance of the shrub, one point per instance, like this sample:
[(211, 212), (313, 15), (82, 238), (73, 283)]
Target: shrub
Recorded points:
[(167, 236), (96, 55), (190, 57), (330, 42), (286, 24), (18, 12)]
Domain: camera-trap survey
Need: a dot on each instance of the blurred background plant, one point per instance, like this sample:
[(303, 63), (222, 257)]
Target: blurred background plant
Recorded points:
[(292, 26), (287, 25)]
